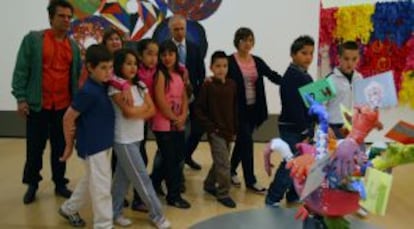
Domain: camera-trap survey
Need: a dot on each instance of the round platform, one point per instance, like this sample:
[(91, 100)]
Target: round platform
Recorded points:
[(266, 218)]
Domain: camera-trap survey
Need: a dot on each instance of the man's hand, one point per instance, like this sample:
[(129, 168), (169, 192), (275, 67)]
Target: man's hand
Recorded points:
[(23, 109), (66, 154)]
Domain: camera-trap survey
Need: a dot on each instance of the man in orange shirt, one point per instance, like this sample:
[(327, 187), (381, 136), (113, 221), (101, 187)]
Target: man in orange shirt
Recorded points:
[(44, 80)]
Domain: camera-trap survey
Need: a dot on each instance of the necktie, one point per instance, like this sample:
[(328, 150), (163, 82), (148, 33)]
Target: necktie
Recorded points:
[(182, 53)]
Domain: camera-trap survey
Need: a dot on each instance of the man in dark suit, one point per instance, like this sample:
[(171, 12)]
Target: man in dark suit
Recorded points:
[(191, 57)]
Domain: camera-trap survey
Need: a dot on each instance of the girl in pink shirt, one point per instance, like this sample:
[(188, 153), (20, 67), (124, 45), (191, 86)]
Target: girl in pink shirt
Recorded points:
[(169, 120)]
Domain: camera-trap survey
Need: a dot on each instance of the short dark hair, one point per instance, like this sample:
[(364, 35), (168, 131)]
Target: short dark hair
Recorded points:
[(348, 45), (218, 55), (54, 4), (109, 32), (301, 42), (96, 54), (241, 34)]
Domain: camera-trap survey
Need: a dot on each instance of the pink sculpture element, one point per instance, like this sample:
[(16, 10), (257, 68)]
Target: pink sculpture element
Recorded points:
[(344, 162)]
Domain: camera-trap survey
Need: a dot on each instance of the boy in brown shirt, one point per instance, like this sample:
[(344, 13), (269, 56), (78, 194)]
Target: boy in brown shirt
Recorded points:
[(215, 108)]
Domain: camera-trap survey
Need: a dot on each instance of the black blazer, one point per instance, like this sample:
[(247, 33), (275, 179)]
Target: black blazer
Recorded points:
[(195, 65), (261, 105)]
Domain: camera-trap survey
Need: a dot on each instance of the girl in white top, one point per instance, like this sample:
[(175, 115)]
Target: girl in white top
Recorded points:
[(129, 132)]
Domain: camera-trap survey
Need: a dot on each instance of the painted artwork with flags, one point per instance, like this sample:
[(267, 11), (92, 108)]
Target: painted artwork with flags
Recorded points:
[(136, 19)]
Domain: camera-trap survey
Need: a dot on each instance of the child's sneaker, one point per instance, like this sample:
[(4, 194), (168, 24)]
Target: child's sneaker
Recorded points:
[(163, 223), (73, 219), (362, 212), (227, 201), (211, 191), (122, 221), (272, 204), (235, 181)]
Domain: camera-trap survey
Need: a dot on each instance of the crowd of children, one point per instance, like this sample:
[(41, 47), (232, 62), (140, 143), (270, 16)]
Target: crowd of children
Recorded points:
[(125, 92)]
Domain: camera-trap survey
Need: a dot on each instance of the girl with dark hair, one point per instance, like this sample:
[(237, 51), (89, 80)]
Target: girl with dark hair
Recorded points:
[(169, 120), (129, 132)]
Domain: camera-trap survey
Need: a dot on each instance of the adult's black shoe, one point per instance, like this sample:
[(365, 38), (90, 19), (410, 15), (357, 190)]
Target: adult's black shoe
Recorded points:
[(30, 194), (194, 165), (63, 192), (227, 201), (179, 203)]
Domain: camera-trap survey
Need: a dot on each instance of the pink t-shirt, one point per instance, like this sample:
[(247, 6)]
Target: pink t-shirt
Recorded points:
[(173, 95), (146, 75), (250, 76)]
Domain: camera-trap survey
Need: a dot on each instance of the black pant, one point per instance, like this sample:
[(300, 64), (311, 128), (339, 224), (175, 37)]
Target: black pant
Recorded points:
[(196, 132), (40, 126), (282, 183), (171, 148), (243, 149)]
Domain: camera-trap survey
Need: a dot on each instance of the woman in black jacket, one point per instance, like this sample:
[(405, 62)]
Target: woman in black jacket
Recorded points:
[(247, 71)]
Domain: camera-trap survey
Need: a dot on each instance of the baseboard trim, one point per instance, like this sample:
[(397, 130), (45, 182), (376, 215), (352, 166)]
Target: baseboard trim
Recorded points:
[(14, 126)]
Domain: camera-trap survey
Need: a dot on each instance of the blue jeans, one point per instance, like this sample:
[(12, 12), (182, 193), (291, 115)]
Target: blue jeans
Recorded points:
[(282, 183)]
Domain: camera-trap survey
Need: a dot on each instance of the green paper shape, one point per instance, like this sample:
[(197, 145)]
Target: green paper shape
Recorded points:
[(336, 223), (378, 186), (321, 90)]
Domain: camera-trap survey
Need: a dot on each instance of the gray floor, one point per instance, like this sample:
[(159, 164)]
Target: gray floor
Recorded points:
[(266, 218)]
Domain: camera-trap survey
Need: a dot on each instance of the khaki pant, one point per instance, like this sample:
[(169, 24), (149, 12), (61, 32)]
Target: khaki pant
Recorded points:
[(220, 170)]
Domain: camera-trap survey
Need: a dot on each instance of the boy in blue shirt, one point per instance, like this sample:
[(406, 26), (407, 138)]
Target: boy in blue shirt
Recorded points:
[(295, 124), (91, 119)]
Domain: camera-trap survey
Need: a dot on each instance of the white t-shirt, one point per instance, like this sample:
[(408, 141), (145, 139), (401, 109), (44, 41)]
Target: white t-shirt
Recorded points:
[(129, 130)]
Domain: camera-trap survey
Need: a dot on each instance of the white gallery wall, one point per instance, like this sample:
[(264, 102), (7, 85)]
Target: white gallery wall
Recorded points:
[(275, 24)]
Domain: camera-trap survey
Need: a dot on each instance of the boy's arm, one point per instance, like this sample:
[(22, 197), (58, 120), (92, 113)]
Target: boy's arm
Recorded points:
[(160, 100), (291, 91), (236, 109), (69, 127), (201, 109)]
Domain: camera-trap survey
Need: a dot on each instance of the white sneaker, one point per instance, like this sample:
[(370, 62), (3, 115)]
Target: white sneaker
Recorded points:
[(123, 222), (163, 223), (257, 188), (235, 181), (362, 212)]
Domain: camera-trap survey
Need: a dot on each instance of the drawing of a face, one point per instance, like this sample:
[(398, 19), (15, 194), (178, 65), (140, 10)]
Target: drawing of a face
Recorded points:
[(374, 94)]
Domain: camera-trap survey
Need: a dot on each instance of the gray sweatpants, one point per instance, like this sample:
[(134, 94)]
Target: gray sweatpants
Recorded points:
[(131, 168)]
